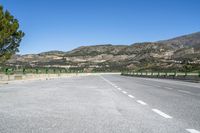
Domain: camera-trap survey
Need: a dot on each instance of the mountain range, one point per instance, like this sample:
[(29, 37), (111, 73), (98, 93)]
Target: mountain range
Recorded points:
[(180, 53)]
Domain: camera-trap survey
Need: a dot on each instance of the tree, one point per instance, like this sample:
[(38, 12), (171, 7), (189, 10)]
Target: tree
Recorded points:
[(10, 35)]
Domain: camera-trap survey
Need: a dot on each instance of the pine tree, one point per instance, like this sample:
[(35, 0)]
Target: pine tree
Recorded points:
[(10, 35)]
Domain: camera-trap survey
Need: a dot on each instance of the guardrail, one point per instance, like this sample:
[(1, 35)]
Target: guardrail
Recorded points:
[(168, 75), (10, 74), (11, 71)]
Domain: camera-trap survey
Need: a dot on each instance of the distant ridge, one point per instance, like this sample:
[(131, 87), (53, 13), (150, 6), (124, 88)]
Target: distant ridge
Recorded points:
[(178, 53), (185, 40)]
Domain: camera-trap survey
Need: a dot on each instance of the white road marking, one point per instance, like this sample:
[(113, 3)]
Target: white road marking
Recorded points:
[(131, 96), (184, 91), (141, 102), (119, 88), (108, 81), (169, 88), (113, 85), (124, 92), (53, 125), (161, 113), (192, 131)]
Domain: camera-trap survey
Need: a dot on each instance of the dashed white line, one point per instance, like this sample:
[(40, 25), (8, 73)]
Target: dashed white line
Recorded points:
[(161, 113), (108, 82), (115, 86), (53, 125), (169, 88), (131, 96), (184, 91), (155, 110), (124, 92), (119, 88), (141, 102), (192, 131)]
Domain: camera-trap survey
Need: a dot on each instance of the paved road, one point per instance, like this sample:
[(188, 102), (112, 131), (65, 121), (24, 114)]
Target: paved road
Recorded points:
[(100, 104)]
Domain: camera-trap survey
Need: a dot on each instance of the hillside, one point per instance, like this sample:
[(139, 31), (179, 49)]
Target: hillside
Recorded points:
[(179, 53), (191, 40)]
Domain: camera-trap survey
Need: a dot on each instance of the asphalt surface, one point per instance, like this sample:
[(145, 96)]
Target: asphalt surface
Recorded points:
[(100, 104)]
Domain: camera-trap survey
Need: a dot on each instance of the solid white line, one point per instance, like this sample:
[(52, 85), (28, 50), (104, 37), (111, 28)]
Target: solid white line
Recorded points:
[(161, 113), (124, 92), (131, 96), (184, 91), (192, 131), (168, 88), (141, 102)]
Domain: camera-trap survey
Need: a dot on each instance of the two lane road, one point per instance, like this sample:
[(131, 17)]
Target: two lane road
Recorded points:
[(176, 99), (100, 104)]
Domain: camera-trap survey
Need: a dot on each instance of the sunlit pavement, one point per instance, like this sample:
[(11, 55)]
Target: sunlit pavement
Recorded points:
[(100, 104)]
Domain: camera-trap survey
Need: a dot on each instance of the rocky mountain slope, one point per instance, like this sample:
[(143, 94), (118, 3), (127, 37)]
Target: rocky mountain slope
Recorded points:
[(178, 53)]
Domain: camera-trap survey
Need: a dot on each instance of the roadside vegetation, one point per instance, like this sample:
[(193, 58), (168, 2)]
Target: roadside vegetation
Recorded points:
[(10, 35)]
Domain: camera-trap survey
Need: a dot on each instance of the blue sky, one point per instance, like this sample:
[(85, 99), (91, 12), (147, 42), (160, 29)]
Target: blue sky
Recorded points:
[(67, 24)]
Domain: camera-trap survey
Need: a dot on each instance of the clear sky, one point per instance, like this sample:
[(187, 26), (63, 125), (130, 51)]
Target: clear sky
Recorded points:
[(67, 24)]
